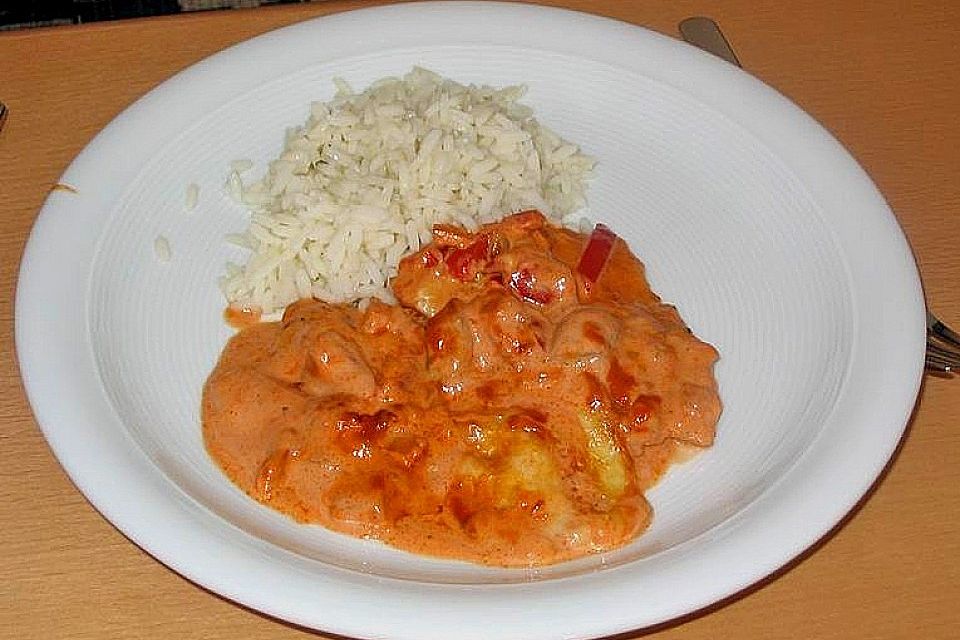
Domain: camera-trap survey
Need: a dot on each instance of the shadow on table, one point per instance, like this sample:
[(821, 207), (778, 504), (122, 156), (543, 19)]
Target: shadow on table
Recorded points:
[(25, 14)]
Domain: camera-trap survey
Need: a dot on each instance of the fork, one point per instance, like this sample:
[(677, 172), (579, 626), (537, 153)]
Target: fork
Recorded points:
[(943, 346), (943, 343)]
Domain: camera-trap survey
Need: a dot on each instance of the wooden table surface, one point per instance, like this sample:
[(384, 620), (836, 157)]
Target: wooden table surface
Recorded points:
[(883, 76)]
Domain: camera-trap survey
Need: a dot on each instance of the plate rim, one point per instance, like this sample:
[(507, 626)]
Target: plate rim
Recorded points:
[(31, 335)]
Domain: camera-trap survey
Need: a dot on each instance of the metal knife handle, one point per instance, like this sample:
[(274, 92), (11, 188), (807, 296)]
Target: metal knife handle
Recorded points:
[(704, 33)]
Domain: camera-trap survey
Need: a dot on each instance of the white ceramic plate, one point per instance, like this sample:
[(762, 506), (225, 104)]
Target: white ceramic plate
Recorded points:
[(772, 241)]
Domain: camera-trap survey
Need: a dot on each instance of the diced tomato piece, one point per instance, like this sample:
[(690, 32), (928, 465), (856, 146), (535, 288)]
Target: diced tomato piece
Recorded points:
[(524, 282), (461, 261), (597, 252)]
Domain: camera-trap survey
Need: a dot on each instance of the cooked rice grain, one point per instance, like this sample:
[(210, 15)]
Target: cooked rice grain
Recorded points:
[(193, 195), (161, 248)]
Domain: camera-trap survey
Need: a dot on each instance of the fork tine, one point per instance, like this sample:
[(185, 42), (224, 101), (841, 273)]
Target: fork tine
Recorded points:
[(942, 332), (939, 370), (948, 355), (941, 363), (944, 370)]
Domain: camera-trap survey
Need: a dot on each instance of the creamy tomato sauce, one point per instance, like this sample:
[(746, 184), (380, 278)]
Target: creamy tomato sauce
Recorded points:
[(509, 411)]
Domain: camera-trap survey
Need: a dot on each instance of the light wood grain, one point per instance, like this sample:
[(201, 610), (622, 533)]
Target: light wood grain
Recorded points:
[(884, 76)]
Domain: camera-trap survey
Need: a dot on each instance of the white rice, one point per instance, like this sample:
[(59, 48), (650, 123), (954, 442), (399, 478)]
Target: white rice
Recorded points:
[(193, 195), (362, 182), (161, 248)]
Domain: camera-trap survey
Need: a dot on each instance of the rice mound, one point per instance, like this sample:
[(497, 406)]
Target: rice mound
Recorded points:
[(363, 181)]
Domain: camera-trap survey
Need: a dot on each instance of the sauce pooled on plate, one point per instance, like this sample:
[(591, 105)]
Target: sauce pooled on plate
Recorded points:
[(510, 411)]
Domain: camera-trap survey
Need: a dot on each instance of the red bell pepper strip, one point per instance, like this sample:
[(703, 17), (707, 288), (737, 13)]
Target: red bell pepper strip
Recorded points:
[(597, 252)]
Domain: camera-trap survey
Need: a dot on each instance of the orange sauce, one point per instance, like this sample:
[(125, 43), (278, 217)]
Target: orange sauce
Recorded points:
[(241, 317), (503, 413)]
